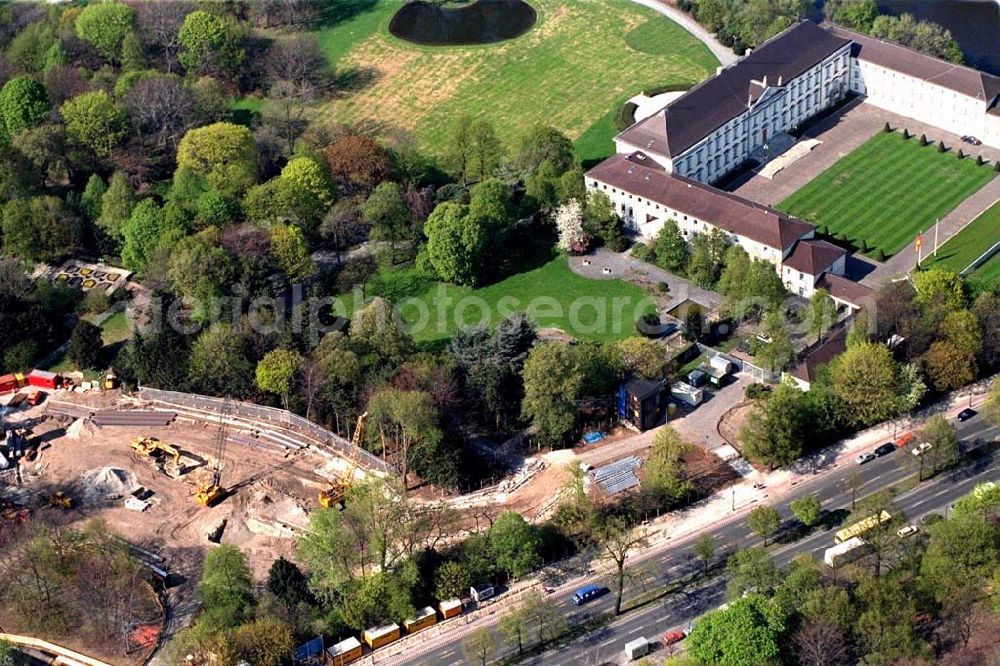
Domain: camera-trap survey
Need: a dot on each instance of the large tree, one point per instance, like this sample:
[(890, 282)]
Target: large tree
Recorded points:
[(105, 26), (387, 214), (405, 424), (226, 588), (221, 156), (96, 121), (747, 633), (144, 232), (617, 541), (276, 372), (665, 469), (456, 242), (764, 521), (515, 544), (23, 103), (40, 228), (670, 250), (552, 382), (358, 163), (777, 427), (220, 362), (85, 345), (871, 385), (211, 43)]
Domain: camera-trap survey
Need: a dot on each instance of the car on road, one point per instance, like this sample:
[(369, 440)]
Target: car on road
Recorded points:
[(921, 449), (909, 530), (674, 636), (966, 414), (587, 593), (865, 458), (885, 449), (971, 139)]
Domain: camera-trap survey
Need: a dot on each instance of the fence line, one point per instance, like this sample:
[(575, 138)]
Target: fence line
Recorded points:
[(982, 259), (271, 414)]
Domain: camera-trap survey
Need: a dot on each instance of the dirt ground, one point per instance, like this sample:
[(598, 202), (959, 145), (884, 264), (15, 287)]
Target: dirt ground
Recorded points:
[(732, 422)]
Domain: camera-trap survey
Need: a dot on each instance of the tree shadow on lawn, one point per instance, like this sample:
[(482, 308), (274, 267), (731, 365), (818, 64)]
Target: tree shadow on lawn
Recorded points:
[(335, 12)]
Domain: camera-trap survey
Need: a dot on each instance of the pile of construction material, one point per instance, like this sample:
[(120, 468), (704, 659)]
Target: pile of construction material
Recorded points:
[(133, 417), (618, 476), (522, 475), (106, 483)]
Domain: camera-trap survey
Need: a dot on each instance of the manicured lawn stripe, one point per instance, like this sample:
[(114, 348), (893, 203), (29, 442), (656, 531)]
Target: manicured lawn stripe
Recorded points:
[(969, 244), (887, 191), (573, 71)]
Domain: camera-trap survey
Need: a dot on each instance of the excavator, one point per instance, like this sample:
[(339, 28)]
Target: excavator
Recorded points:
[(151, 447), (334, 495), (210, 493)]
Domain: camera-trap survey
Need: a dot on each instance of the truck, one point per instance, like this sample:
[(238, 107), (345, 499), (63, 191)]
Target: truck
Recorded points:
[(481, 593), (846, 552), (636, 649), (686, 393)]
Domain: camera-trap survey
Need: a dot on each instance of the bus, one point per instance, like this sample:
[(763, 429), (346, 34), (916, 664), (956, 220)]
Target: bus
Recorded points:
[(859, 528)]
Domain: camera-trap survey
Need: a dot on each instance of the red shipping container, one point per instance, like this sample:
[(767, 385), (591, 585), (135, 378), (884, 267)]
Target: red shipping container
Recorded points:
[(8, 383), (43, 379)]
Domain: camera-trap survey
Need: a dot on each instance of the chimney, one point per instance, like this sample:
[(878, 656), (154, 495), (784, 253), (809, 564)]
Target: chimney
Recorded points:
[(765, 82)]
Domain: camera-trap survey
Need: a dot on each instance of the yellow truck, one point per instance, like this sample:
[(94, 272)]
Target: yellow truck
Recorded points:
[(860, 527)]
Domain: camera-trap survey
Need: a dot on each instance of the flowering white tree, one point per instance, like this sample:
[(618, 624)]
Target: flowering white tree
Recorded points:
[(569, 224)]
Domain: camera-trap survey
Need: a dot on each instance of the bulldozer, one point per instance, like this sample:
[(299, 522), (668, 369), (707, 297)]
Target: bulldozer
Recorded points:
[(61, 500), (151, 447), (211, 492), (334, 495)]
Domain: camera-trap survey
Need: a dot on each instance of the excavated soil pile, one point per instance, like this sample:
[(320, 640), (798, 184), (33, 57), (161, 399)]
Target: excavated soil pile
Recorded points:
[(104, 483)]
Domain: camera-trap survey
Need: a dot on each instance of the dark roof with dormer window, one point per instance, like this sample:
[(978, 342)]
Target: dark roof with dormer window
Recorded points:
[(717, 100)]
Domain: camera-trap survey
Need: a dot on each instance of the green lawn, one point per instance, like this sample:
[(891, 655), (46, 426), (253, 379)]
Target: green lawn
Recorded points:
[(117, 328), (969, 244), (573, 70), (552, 295), (887, 191)]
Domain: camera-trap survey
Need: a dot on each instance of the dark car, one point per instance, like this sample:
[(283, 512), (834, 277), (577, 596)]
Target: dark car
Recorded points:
[(966, 414), (973, 140), (885, 449)]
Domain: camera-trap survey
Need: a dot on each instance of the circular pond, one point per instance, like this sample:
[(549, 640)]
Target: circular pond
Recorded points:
[(434, 23)]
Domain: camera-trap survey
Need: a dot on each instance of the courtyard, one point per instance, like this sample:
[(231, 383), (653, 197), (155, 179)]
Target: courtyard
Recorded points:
[(887, 191), (611, 48)]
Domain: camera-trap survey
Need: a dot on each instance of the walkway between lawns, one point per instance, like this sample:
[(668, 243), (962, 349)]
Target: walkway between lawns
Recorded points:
[(630, 269)]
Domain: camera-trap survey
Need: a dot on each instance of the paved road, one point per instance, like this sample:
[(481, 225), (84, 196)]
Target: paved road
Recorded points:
[(931, 496)]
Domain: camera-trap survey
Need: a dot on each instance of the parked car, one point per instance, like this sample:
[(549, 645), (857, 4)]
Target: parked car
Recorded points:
[(909, 530), (973, 140), (921, 449), (885, 449), (966, 414), (674, 636), (865, 458)]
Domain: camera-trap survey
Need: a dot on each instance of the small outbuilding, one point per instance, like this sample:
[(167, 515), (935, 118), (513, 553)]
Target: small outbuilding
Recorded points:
[(640, 402), (44, 379)]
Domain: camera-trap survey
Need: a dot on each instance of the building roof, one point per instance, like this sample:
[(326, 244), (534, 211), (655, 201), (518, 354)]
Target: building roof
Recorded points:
[(643, 388), (717, 100), (961, 79), (812, 256), (844, 289), (821, 355), (641, 176)]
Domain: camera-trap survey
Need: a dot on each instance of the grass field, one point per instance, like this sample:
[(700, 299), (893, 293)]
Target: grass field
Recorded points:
[(580, 62), (969, 244), (551, 294), (887, 191), (114, 330)]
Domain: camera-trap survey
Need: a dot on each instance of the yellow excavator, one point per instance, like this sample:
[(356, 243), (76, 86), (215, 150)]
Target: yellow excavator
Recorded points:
[(334, 495), (151, 447), (212, 492)]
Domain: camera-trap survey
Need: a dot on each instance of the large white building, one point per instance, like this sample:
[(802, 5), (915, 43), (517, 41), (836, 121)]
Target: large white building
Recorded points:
[(958, 99), (664, 162), (645, 195), (719, 124)]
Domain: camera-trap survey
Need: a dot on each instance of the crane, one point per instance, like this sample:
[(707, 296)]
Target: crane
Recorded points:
[(338, 490), (210, 493)]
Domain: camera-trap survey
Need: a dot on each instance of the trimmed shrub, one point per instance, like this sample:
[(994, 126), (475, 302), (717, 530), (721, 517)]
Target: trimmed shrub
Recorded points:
[(822, 230), (996, 165), (863, 247), (941, 147), (961, 155), (841, 236), (923, 139), (886, 128), (643, 252), (663, 287), (906, 134), (879, 255), (979, 160), (626, 116)]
